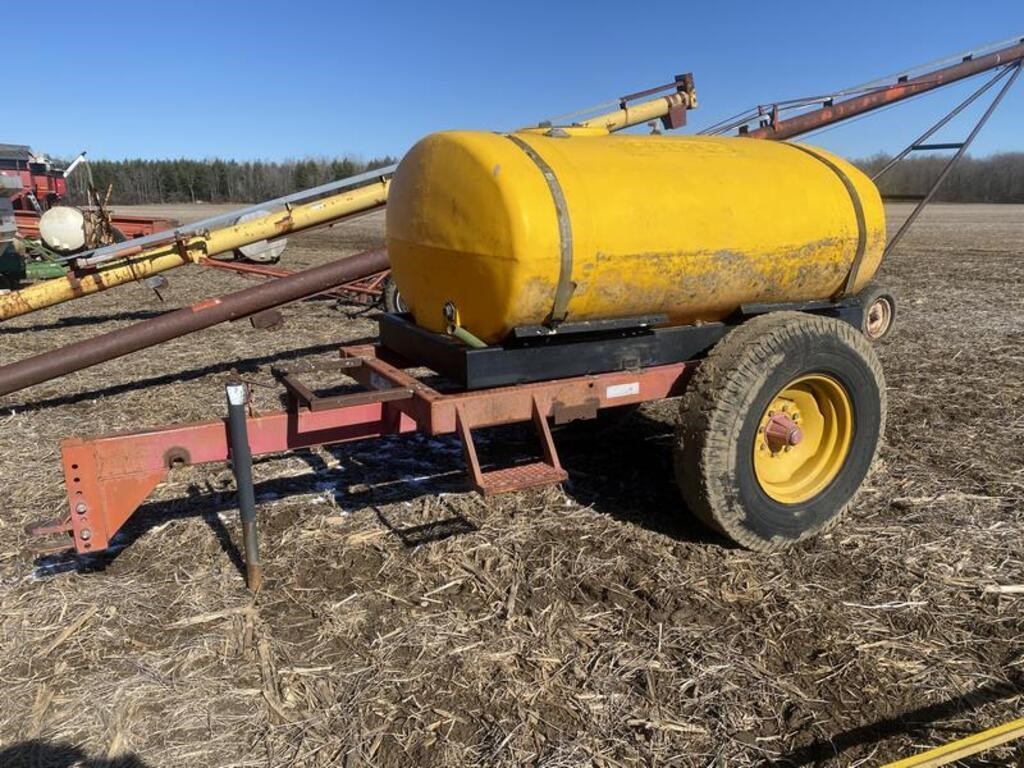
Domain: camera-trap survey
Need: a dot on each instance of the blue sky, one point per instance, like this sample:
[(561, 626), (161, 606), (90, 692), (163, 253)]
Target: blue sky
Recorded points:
[(278, 80)]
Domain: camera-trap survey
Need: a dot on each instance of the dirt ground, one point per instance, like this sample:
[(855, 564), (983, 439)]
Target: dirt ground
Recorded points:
[(408, 622)]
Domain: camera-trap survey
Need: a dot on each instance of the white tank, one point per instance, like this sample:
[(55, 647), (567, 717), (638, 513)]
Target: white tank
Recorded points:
[(263, 251), (63, 228)]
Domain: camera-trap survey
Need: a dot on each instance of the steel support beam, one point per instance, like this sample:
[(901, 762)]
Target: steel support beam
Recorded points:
[(781, 129)]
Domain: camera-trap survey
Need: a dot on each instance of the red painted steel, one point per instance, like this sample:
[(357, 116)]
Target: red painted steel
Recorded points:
[(108, 478), (780, 129), (369, 287), (27, 223), (47, 185), (140, 226), (131, 227)]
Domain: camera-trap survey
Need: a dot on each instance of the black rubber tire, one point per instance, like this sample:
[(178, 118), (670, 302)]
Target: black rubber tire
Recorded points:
[(394, 304), (722, 407), (876, 293)]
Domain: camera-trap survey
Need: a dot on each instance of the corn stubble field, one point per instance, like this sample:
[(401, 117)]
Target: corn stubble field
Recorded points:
[(408, 622)]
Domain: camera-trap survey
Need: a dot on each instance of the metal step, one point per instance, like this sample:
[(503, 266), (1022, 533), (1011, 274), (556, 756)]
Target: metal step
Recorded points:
[(534, 475), (520, 476)]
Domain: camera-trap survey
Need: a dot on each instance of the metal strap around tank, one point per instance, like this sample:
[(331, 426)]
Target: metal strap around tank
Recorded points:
[(565, 288), (858, 208)]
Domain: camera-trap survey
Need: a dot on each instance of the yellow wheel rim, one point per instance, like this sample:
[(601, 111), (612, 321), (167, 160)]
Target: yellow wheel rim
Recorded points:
[(803, 438)]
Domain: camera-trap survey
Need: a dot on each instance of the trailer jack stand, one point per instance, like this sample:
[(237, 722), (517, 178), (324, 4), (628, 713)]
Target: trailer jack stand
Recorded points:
[(241, 465)]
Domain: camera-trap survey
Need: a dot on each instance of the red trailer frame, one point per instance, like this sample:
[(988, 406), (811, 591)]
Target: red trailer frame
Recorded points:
[(366, 290), (130, 226), (108, 478)]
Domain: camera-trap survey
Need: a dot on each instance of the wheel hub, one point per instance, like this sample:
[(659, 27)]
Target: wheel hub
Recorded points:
[(879, 318), (803, 438), (781, 431)]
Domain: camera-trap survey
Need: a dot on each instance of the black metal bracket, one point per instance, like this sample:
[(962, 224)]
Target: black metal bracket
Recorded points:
[(551, 357), (614, 345), (640, 322)]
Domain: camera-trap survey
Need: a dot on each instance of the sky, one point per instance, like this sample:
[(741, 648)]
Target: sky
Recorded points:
[(279, 80)]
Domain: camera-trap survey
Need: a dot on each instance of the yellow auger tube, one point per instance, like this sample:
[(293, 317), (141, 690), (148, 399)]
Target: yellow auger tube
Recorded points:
[(958, 750), (577, 224), (160, 258), (638, 113)]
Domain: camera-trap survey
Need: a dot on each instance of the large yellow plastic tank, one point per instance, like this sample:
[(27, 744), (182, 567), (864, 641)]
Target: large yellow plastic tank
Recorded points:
[(532, 228)]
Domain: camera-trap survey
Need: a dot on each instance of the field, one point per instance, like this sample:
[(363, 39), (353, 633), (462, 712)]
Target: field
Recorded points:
[(408, 622)]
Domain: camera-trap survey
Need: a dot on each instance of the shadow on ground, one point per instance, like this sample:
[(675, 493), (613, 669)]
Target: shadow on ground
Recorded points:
[(42, 754), (623, 470), (83, 320), (249, 365), (915, 723)]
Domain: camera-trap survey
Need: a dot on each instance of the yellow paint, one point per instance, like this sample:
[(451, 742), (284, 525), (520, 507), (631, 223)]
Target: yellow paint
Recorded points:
[(683, 225), (640, 112), (958, 750), (821, 408), (160, 258)]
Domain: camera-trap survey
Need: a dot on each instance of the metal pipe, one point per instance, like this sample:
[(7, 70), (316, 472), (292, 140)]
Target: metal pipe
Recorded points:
[(671, 108), (466, 337), (965, 747), (139, 263), (74, 164), (916, 143), (242, 268), (953, 161), (241, 465), (117, 250), (202, 314), (637, 114), (883, 96)]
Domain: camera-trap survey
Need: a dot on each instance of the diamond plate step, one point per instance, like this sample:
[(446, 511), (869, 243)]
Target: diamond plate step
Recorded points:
[(534, 475)]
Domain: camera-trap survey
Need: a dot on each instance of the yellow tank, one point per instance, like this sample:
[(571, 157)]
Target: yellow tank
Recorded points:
[(577, 224)]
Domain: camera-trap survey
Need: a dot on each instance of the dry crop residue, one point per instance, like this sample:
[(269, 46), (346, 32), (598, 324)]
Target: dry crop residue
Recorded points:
[(407, 622)]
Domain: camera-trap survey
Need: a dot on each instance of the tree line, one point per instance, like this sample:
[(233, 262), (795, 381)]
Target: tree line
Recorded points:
[(211, 181), (992, 179)]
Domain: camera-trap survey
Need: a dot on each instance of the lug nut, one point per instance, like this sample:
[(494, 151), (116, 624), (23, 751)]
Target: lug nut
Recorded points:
[(80, 508), (85, 534)]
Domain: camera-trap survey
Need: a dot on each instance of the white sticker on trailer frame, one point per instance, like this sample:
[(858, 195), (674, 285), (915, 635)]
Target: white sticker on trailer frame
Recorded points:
[(622, 390)]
